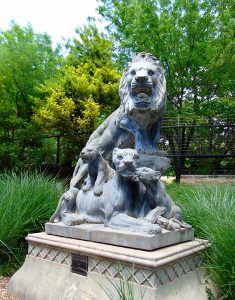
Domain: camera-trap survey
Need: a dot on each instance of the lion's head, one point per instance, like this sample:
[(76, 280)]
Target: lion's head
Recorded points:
[(89, 154), (125, 161), (147, 175), (143, 85)]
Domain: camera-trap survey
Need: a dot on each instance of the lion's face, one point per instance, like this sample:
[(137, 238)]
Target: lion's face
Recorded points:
[(143, 85), (145, 174), (141, 81), (125, 161), (89, 154)]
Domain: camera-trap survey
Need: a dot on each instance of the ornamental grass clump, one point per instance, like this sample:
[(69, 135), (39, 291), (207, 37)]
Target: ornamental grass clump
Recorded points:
[(26, 202), (211, 211)]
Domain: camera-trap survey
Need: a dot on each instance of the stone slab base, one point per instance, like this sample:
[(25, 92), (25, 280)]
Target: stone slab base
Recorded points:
[(52, 271), (207, 179), (99, 233)]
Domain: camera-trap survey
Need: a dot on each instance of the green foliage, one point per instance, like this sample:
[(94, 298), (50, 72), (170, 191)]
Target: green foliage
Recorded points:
[(82, 95), (91, 46), (67, 103), (26, 60), (210, 210), (43, 92), (194, 40), (92, 51), (26, 150), (27, 201)]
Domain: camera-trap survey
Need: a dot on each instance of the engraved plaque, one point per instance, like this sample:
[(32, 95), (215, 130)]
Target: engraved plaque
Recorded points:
[(79, 264)]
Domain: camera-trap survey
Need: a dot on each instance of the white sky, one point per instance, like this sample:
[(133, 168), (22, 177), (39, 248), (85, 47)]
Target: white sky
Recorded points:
[(58, 18)]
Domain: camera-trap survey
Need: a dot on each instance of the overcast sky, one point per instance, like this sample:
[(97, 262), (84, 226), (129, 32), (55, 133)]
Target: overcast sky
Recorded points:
[(58, 18)]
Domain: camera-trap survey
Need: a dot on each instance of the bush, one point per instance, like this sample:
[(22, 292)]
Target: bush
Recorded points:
[(210, 210), (26, 202)]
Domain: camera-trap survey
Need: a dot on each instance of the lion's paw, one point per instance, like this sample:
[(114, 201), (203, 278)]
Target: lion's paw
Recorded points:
[(72, 219), (98, 191), (154, 229), (86, 188), (176, 226)]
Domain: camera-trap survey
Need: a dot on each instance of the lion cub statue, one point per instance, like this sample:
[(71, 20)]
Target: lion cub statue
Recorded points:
[(157, 204), (124, 194), (99, 170)]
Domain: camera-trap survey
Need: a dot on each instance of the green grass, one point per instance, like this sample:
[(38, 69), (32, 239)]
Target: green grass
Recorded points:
[(26, 202), (211, 211)]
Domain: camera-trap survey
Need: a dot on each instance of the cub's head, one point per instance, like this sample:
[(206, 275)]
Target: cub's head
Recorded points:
[(89, 154), (125, 161), (146, 175)]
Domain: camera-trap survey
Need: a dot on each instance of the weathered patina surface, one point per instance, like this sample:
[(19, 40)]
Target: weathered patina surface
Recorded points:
[(117, 178)]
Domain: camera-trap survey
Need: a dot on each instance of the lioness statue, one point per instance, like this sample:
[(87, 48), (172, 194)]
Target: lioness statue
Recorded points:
[(136, 123), (119, 205)]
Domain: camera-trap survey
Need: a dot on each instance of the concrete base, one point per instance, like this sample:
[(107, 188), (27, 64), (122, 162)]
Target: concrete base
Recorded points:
[(207, 179), (101, 234), (50, 272)]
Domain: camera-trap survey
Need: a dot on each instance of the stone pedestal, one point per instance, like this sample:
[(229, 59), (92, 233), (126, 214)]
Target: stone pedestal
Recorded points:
[(101, 234), (59, 268)]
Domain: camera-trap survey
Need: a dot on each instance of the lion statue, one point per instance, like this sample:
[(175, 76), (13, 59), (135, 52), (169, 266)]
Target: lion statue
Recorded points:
[(119, 205), (136, 123)]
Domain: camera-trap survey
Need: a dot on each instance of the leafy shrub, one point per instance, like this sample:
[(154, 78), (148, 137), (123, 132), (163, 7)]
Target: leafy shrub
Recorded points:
[(211, 211), (26, 202)]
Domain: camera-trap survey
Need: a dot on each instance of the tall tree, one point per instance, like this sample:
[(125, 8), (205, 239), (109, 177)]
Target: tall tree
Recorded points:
[(26, 60), (194, 40), (83, 94), (92, 51)]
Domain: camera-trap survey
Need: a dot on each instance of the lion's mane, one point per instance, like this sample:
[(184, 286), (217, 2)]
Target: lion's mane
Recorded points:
[(159, 96)]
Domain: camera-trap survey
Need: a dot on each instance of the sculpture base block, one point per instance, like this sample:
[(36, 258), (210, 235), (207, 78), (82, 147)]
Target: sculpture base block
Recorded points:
[(99, 233), (58, 268)]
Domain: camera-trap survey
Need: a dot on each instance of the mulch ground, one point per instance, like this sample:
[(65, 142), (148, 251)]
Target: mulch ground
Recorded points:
[(3, 288)]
